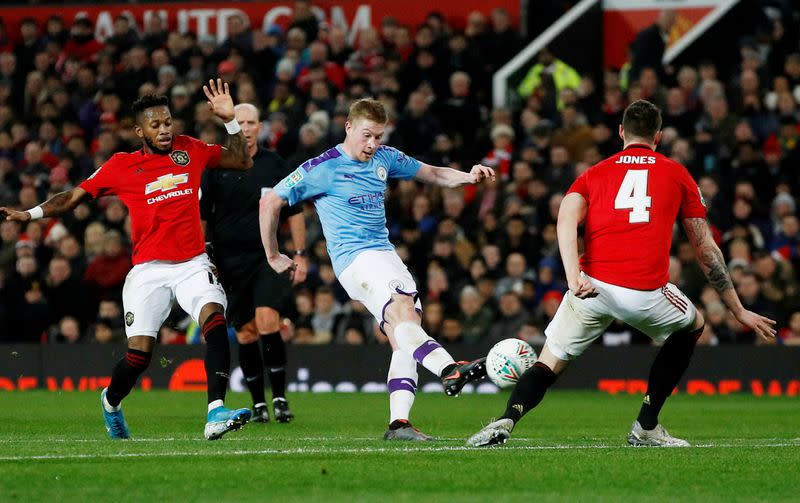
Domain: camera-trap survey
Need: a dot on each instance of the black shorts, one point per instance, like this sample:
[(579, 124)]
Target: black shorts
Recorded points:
[(249, 283)]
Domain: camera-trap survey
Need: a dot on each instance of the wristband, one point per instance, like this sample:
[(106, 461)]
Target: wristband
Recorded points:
[(299, 253), (233, 126), (36, 212)]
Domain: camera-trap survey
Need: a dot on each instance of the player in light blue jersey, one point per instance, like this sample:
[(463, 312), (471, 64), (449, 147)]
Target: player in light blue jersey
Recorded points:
[(347, 184)]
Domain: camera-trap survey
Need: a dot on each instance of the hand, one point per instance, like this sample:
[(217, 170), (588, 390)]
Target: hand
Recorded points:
[(281, 263), (14, 215), (583, 288), (301, 269), (480, 172), (764, 327), (219, 99)]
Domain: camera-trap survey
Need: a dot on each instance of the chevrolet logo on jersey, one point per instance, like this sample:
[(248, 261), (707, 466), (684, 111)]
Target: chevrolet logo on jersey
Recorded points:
[(166, 182)]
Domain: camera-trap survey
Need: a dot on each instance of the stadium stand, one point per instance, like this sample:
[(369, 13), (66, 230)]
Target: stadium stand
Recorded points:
[(486, 258)]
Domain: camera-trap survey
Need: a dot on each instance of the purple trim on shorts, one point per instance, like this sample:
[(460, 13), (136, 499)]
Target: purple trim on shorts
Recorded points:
[(403, 383), (425, 349), (413, 295), (329, 154)]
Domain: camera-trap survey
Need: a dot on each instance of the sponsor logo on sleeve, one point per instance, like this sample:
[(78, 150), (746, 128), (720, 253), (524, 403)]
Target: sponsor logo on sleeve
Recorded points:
[(702, 199), (294, 178)]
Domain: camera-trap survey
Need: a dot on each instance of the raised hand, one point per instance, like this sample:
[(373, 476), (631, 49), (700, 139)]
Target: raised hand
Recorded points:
[(14, 215), (219, 99), (479, 172)]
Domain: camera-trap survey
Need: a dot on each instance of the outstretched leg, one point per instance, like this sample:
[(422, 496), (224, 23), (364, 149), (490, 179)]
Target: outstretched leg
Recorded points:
[(401, 315), (526, 395)]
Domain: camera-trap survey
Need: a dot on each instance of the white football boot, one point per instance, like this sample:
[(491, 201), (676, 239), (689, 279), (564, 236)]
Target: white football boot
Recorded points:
[(495, 433), (657, 437)]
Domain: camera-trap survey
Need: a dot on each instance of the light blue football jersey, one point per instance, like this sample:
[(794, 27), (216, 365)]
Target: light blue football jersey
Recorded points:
[(349, 195)]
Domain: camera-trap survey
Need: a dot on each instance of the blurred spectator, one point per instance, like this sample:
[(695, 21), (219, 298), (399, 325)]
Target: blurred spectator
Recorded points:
[(548, 77), (106, 272), (28, 310), (81, 43), (68, 331), (790, 336), (649, 46), (354, 325), (475, 317), (512, 318), (326, 309), (64, 291)]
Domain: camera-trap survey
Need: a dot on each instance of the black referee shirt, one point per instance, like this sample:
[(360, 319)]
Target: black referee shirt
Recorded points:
[(229, 201)]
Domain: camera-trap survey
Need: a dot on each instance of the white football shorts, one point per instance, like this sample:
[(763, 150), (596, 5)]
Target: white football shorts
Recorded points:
[(374, 276), (578, 322), (152, 287)]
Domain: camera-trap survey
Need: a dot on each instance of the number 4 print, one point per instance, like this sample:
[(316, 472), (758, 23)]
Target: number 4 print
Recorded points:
[(633, 196)]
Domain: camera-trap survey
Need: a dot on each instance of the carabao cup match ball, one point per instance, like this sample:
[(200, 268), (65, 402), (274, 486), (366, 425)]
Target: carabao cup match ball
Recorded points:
[(507, 360)]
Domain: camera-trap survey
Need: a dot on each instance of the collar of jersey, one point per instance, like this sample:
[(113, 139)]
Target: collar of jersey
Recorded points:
[(639, 145), (340, 148)]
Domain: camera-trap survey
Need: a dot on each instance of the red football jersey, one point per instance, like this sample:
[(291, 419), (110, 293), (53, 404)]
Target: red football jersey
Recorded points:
[(160, 192), (633, 200)]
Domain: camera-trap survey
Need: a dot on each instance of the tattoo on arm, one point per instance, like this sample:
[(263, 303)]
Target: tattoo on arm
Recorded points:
[(708, 254)]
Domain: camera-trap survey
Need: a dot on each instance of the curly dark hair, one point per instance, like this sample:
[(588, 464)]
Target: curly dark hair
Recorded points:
[(148, 101)]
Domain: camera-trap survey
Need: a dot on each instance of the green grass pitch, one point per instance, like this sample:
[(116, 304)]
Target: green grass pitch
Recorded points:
[(53, 448)]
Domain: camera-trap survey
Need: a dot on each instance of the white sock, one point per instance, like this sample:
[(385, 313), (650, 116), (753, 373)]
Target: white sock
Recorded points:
[(402, 383), (109, 407), (213, 405), (413, 340)]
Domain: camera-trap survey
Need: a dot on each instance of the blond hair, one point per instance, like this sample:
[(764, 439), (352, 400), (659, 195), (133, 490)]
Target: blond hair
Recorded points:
[(369, 109)]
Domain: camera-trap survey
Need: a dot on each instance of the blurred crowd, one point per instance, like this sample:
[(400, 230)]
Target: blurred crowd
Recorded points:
[(485, 258)]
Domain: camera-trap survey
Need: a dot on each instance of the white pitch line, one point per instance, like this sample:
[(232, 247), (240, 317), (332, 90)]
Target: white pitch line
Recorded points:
[(239, 438), (364, 450)]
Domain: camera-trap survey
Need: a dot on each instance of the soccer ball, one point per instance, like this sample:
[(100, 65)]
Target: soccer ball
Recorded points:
[(507, 360)]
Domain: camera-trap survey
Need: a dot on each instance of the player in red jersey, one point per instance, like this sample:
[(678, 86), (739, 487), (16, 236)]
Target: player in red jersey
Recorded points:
[(159, 185), (628, 204)]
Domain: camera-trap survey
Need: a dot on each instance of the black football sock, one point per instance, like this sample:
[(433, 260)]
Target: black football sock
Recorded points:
[(668, 368), (218, 356), (125, 375), (275, 361), (529, 391), (253, 370)]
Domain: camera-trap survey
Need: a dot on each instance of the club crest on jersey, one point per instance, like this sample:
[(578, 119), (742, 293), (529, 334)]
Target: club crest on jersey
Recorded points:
[(166, 182), (294, 178), (179, 157), (129, 318), (382, 173)]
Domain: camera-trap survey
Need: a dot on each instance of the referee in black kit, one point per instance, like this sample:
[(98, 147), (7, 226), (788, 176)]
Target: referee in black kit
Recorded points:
[(256, 294)]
